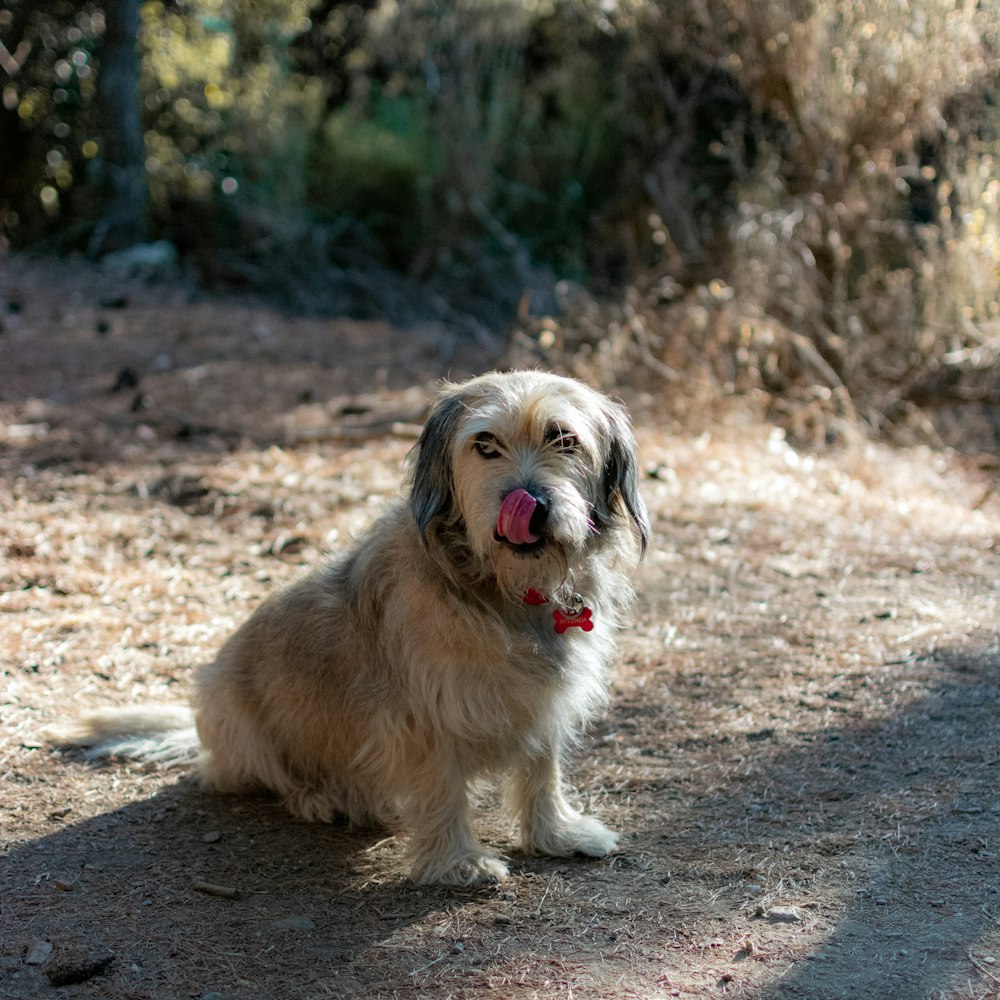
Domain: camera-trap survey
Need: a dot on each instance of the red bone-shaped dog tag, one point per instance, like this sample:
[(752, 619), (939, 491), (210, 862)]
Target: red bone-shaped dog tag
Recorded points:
[(583, 618)]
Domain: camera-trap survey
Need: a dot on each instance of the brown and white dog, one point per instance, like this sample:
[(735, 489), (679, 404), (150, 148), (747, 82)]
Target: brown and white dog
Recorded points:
[(467, 634)]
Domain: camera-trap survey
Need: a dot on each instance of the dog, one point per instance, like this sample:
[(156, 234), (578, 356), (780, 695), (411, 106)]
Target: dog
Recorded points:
[(467, 634)]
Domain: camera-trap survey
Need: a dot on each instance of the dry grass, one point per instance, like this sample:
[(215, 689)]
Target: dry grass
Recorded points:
[(803, 714)]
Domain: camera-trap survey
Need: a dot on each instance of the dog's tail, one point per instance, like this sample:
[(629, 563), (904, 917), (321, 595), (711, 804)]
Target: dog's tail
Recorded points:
[(163, 735)]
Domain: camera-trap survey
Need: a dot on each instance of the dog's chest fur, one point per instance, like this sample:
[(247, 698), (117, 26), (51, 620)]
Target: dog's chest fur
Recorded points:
[(473, 660)]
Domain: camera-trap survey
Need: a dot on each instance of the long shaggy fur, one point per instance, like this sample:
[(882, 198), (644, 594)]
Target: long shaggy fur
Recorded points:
[(390, 679)]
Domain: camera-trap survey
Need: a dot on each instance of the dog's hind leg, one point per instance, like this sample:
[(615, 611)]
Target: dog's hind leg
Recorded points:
[(549, 824)]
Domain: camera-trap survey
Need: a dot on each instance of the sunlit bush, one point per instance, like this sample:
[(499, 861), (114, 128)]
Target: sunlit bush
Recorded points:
[(832, 238), (223, 110)]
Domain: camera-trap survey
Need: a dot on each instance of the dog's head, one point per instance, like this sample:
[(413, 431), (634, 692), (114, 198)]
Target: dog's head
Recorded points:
[(529, 473)]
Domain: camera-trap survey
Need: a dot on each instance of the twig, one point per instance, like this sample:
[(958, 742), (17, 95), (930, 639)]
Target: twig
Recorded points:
[(360, 432), (990, 490), (983, 968), (424, 968), (381, 843), (225, 891)]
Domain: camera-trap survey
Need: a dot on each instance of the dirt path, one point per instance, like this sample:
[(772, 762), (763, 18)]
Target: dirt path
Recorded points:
[(804, 723)]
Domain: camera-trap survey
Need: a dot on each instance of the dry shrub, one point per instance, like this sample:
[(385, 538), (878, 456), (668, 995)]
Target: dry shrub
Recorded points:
[(843, 257), (865, 232)]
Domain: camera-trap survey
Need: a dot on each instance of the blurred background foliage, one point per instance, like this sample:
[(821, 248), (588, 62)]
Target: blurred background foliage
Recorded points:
[(799, 198)]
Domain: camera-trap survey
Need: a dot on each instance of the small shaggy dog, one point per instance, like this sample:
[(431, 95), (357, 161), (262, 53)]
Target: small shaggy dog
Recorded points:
[(466, 634)]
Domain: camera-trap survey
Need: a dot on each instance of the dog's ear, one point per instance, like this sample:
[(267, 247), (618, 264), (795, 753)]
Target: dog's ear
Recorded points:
[(621, 473), (430, 461)]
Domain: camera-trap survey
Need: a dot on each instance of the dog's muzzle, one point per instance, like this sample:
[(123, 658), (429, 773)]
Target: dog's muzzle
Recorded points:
[(522, 518)]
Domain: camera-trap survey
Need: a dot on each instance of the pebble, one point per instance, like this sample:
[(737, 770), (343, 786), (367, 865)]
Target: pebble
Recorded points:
[(38, 953), (295, 924), (212, 837), (784, 915)]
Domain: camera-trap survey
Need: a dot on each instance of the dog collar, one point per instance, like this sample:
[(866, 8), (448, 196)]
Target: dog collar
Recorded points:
[(576, 616)]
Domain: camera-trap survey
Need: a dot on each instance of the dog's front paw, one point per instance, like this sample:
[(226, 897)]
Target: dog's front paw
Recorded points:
[(582, 835), (474, 869)]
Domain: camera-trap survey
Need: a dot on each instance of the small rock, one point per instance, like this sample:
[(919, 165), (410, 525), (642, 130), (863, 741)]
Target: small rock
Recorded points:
[(143, 259), (295, 924), (502, 919), (63, 886), (784, 915), (38, 953), (212, 837)]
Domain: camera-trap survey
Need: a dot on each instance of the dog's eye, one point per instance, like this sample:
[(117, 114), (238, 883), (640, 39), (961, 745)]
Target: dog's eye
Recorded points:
[(563, 440), (487, 446)]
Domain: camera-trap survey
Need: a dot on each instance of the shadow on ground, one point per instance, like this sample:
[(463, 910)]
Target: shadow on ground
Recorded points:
[(919, 795), (126, 882), (883, 834)]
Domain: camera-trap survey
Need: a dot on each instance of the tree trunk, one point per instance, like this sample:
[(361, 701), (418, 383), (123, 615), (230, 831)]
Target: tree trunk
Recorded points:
[(123, 181)]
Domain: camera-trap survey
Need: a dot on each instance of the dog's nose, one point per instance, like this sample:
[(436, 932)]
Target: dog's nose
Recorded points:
[(521, 517), (538, 516)]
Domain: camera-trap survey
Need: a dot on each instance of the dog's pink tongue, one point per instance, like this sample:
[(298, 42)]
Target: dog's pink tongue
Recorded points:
[(514, 519)]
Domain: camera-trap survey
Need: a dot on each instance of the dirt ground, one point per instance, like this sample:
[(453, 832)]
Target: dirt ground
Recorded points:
[(802, 750)]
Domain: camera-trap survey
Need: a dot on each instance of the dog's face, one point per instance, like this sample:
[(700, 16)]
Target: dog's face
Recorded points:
[(531, 472)]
